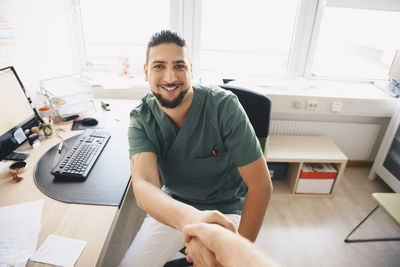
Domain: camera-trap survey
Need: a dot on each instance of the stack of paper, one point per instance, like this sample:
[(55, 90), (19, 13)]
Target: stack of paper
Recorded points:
[(19, 232), (59, 250)]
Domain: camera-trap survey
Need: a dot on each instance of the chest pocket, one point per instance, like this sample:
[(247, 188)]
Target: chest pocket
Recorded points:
[(196, 176), (210, 167)]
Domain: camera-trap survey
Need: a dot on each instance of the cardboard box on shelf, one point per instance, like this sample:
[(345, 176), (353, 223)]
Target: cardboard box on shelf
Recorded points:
[(316, 178), (314, 186), (318, 171)]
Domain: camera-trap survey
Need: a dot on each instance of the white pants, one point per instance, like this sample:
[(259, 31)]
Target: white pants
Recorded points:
[(156, 243)]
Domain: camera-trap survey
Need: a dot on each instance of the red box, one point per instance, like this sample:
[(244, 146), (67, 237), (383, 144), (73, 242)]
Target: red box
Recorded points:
[(318, 171)]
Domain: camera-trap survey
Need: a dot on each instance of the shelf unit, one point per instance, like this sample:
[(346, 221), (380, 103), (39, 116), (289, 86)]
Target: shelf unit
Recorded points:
[(296, 150)]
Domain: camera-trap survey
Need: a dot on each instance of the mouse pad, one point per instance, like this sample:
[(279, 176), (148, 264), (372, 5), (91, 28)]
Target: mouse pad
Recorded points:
[(77, 125), (106, 183)]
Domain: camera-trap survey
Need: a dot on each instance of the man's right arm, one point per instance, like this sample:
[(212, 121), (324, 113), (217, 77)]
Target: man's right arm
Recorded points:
[(150, 198)]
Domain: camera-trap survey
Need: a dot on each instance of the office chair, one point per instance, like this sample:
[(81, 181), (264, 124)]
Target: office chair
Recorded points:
[(258, 110)]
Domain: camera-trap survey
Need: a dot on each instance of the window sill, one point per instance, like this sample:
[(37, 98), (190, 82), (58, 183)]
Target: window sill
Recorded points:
[(287, 96), (356, 99), (117, 86)]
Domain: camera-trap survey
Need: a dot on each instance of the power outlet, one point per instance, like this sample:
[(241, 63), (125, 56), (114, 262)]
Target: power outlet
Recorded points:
[(298, 104), (312, 104), (336, 106)]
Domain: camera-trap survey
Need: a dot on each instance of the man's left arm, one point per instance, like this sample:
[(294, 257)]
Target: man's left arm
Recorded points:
[(256, 177)]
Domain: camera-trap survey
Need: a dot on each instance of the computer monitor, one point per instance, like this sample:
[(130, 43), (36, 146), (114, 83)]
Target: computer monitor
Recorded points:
[(17, 112), (394, 72), (391, 87)]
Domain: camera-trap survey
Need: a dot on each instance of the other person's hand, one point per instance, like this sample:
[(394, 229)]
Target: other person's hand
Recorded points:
[(200, 255), (229, 248), (196, 251)]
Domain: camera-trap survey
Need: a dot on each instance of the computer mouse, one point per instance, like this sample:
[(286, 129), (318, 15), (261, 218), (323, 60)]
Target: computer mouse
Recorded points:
[(89, 122)]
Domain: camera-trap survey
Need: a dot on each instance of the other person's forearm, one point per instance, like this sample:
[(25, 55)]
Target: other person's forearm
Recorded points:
[(230, 248), (246, 254)]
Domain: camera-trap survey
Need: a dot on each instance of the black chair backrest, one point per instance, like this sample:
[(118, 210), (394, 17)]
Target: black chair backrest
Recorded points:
[(257, 107)]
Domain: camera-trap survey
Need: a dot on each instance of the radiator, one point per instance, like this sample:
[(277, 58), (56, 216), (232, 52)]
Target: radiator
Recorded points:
[(356, 140)]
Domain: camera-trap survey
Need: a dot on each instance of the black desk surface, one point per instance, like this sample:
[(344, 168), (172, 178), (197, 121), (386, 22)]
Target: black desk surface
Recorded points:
[(106, 183)]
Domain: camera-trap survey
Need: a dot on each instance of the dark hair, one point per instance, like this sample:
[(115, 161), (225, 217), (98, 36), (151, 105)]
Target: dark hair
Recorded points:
[(164, 37)]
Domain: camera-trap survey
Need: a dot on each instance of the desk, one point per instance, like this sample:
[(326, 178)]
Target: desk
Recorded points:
[(92, 223)]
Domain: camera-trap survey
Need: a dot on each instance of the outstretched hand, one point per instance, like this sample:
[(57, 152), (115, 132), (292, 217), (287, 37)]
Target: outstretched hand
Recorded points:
[(210, 237), (196, 252), (199, 254), (229, 248)]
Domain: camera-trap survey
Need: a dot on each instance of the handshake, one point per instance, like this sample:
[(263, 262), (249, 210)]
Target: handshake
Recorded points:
[(212, 244)]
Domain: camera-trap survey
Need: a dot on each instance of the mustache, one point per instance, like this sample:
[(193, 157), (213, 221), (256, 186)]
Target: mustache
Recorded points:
[(170, 84)]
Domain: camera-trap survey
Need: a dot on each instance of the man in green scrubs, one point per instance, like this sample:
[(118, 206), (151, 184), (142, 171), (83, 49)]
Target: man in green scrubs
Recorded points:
[(194, 158)]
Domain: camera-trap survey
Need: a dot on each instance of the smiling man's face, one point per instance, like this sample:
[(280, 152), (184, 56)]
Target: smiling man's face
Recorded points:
[(169, 73)]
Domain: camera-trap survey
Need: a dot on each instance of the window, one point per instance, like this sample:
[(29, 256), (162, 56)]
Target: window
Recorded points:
[(246, 37), (334, 39), (356, 43), (115, 30)]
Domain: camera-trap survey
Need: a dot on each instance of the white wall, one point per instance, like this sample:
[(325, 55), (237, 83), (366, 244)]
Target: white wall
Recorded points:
[(45, 44)]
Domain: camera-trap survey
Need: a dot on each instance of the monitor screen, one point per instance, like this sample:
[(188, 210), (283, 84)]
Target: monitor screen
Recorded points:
[(13, 102), (394, 72), (392, 160), (16, 111)]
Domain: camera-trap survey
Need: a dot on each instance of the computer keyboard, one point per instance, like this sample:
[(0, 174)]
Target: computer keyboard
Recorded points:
[(78, 162)]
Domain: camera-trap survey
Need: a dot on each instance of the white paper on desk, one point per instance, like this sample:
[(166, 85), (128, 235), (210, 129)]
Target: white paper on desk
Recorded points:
[(19, 232), (5, 164), (59, 250)]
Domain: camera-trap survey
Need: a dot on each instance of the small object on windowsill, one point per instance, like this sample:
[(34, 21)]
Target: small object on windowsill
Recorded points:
[(105, 106), (125, 66)]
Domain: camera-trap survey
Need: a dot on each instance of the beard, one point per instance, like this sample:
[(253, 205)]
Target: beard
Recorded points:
[(173, 103)]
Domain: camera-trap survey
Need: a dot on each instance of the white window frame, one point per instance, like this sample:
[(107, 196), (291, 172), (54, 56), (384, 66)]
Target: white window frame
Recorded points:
[(386, 5), (185, 18), (303, 33), (80, 39), (177, 11)]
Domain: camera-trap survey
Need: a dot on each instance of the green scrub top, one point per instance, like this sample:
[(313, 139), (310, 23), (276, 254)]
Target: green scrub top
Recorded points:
[(198, 163)]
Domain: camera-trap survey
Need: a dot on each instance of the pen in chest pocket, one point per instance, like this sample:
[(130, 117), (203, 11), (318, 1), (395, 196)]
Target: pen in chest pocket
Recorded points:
[(214, 153)]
